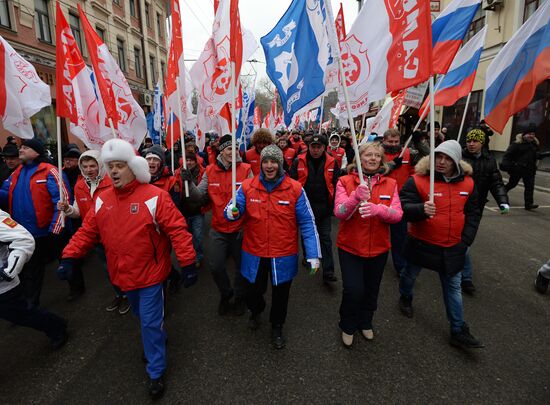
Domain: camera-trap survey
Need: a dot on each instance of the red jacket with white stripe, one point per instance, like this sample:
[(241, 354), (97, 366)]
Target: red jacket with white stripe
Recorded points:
[(137, 224), (83, 197)]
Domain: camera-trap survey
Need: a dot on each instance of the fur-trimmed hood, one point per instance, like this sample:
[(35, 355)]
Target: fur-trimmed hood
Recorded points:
[(519, 139), (94, 154), (120, 150), (423, 167)]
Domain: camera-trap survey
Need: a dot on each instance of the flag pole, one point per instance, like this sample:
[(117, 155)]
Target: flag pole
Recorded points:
[(60, 169), (463, 117), (112, 127), (233, 140), (170, 124), (422, 116), (432, 139), (350, 120), (321, 113), (336, 50), (363, 119), (182, 146)]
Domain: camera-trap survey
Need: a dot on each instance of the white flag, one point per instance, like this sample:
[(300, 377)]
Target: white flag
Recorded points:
[(22, 93)]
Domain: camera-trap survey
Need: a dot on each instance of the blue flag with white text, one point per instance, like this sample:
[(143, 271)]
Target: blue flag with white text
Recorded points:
[(297, 53)]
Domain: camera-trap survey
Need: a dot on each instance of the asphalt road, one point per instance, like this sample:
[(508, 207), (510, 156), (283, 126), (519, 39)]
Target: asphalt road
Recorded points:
[(218, 360)]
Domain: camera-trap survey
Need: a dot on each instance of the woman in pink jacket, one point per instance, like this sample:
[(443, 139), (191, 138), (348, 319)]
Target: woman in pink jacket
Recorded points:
[(365, 212)]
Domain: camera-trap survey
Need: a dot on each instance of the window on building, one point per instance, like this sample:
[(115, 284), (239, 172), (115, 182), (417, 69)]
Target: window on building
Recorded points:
[(153, 67), (133, 8), (121, 54), (43, 20), (117, 2), (530, 7), (137, 63), (147, 15), (162, 70), (74, 23), (159, 25), (452, 116), (477, 24), (4, 14), (538, 113), (101, 32)]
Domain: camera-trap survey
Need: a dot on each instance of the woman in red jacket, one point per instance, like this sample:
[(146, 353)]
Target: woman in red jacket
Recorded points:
[(365, 212)]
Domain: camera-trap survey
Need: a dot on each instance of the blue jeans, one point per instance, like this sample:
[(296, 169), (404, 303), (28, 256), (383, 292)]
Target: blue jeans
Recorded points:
[(195, 224), (398, 239), (468, 268), (452, 294), (148, 305)]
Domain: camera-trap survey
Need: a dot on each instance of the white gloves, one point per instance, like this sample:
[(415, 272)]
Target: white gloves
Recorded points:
[(314, 265), (232, 212)]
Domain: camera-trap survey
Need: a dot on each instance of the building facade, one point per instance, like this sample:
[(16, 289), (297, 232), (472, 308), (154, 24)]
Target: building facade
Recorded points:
[(503, 19), (134, 31)]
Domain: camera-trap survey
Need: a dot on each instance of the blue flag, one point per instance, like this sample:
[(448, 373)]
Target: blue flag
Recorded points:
[(297, 52), (246, 119), (158, 111), (153, 133)]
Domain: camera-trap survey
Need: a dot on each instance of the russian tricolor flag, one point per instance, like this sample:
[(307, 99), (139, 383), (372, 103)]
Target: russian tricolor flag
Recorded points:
[(518, 69), (458, 82), (449, 30)]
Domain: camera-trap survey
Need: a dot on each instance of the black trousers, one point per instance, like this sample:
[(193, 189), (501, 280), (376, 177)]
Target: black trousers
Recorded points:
[(528, 178), (13, 308), (32, 275), (361, 277), (279, 294), (76, 282)]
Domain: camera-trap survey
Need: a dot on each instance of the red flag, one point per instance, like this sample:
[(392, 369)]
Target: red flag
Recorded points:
[(340, 25), (396, 109), (76, 99), (176, 72), (103, 82), (257, 117), (235, 38), (116, 101)]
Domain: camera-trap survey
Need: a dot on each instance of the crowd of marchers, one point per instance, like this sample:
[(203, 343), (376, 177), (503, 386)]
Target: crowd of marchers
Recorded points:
[(133, 210)]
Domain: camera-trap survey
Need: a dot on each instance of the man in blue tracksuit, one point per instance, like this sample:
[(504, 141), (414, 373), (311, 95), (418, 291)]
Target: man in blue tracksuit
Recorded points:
[(30, 196)]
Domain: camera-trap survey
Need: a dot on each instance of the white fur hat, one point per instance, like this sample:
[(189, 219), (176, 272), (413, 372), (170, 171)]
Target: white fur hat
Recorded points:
[(120, 150)]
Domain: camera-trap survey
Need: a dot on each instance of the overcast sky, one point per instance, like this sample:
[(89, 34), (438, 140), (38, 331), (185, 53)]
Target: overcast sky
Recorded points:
[(259, 16)]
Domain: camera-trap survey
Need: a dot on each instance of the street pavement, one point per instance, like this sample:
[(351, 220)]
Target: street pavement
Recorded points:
[(215, 359)]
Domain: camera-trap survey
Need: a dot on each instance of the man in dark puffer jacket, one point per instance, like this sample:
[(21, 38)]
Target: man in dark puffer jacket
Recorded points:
[(487, 178)]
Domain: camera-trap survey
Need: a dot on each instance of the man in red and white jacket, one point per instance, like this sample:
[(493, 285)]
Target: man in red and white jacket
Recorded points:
[(137, 224), (92, 182)]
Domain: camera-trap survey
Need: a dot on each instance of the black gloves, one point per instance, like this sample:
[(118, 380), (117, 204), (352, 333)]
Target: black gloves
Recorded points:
[(65, 269), (397, 162), (189, 275), (186, 175)]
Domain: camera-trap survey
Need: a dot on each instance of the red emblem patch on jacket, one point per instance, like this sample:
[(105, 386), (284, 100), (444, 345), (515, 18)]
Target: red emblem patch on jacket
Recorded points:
[(10, 222), (134, 208)]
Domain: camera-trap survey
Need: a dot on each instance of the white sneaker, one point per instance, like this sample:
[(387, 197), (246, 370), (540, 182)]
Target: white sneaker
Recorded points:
[(347, 340), (368, 334)]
